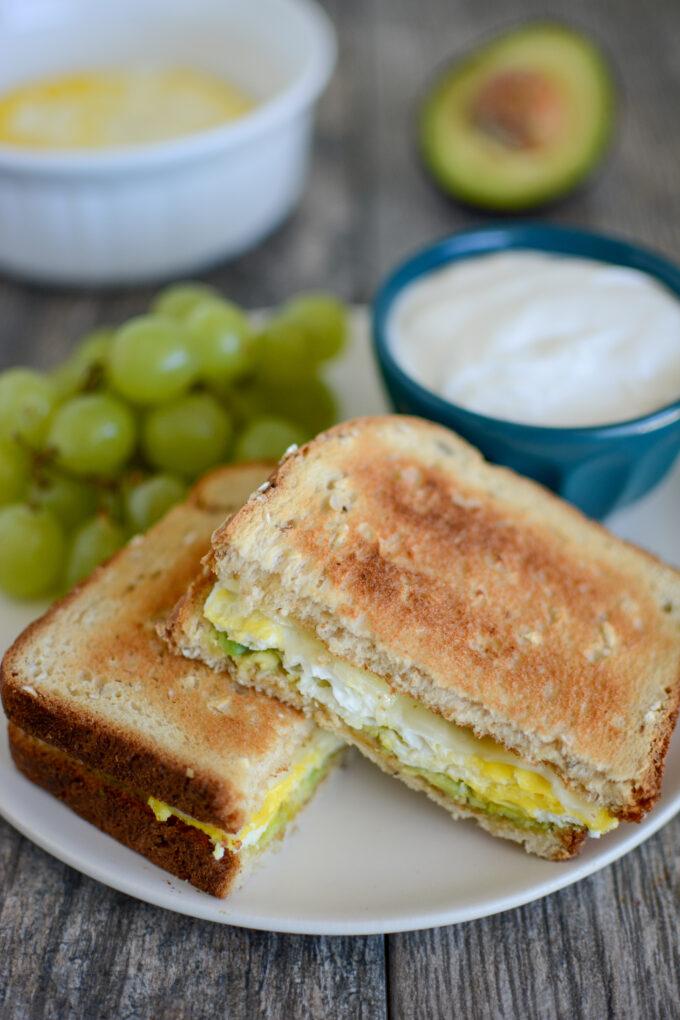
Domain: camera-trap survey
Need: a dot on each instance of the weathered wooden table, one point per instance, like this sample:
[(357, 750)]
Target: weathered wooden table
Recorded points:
[(607, 947)]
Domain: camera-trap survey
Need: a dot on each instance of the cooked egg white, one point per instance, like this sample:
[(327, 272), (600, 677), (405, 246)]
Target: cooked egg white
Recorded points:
[(419, 738), (124, 107), (288, 793)]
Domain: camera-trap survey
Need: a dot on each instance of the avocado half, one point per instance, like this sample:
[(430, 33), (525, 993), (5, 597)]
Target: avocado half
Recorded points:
[(521, 120)]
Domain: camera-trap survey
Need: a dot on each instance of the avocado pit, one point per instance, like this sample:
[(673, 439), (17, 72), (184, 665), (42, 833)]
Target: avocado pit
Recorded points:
[(520, 109)]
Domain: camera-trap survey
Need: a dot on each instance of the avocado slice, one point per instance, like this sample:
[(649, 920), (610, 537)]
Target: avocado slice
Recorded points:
[(521, 120)]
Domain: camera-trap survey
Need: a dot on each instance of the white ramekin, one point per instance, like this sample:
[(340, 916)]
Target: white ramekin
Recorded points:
[(149, 212)]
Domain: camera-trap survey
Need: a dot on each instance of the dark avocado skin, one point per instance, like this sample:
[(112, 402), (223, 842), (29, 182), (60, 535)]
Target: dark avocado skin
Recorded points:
[(437, 145)]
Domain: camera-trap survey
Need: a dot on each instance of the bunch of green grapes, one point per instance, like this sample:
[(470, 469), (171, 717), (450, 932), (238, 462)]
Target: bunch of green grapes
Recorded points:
[(103, 446)]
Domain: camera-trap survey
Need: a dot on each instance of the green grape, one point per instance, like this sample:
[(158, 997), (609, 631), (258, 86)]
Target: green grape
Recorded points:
[(282, 353), (309, 403), (26, 402), (324, 320), (13, 471), (85, 369), (150, 361), (95, 346), (151, 499), (93, 434), (221, 341), (267, 438), (69, 500), (94, 349), (180, 300), (187, 436), (67, 380), (96, 540), (31, 550)]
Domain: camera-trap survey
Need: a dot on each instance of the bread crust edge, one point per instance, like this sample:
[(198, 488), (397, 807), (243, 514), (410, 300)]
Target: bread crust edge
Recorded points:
[(178, 848)]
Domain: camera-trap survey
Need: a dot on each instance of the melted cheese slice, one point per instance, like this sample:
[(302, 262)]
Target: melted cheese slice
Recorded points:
[(286, 792), (419, 738)]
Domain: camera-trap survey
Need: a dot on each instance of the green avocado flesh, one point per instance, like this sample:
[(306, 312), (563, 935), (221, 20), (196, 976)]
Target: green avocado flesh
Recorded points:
[(460, 793), (293, 805), (521, 120), (232, 648), (250, 662)]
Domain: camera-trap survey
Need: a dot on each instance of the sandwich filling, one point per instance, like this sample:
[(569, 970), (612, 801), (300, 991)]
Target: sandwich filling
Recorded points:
[(280, 805), (473, 771)]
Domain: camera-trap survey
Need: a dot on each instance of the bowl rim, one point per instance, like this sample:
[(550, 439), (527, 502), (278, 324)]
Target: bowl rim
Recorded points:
[(310, 79), (537, 236)]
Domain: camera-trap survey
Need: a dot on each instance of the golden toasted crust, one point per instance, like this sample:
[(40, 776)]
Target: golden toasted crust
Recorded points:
[(181, 849), (488, 598), (92, 677)]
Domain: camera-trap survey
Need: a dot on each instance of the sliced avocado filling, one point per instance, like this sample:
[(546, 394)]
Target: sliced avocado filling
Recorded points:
[(290, 807), (460, 793), (232, 648)]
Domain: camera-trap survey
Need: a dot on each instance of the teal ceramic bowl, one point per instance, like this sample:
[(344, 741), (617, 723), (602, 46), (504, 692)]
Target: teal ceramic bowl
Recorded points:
[(598, 468)]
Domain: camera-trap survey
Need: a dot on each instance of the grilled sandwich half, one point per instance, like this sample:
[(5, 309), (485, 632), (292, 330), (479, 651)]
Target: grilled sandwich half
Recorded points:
[(197, 774), (468, 631)]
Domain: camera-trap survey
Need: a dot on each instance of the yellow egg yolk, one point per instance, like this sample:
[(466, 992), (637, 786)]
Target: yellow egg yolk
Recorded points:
[(279, 795)]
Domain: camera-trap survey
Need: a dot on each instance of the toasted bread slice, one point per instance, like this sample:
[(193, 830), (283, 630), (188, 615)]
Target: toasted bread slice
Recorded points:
[(92, 679), (181, 849), (476, 592)]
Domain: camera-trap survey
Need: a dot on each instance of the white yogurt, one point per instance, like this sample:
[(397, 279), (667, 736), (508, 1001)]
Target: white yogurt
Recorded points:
[(541, 339)]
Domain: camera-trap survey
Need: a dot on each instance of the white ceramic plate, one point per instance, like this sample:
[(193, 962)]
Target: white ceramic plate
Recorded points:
[(367, 855)]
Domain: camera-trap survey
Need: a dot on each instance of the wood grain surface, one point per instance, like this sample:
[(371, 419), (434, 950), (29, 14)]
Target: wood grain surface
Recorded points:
[(608, 947)]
